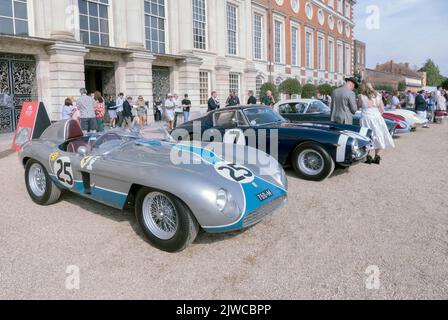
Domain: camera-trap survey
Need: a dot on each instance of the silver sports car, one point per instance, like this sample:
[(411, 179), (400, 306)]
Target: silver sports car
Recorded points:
[(176, 188)]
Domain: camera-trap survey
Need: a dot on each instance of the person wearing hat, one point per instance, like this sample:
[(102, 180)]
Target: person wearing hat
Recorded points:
[(343, 105)]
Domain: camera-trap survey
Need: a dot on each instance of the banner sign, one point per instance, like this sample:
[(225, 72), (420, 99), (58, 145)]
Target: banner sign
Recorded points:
[(32, 123)]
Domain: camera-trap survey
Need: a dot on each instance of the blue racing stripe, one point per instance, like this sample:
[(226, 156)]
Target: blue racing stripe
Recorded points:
[(250, 190)]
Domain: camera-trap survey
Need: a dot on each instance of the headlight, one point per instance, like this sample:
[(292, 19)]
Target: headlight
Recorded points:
[(355, 147), (356, 151), (221, 199), (284, 179)]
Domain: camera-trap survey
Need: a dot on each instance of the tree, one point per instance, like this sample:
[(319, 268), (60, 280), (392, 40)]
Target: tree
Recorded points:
[(290, 87), (445, 84), (402, 86), (325, 89), (434, 78), (309, 91), (268, 86)]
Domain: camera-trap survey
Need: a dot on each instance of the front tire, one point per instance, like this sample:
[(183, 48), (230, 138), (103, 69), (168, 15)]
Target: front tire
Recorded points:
[(312, 162), (166, 221), (41, 188)]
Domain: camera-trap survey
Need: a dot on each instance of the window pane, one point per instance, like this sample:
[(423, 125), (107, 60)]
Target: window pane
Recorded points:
[(103, 12), (83, 22), (93, 9), (105, 40), (6, 25), (6, 8), (93, 23), (104, 25), (20, 10), (21, 27), (84, 36), (94, 38), (82, 6)]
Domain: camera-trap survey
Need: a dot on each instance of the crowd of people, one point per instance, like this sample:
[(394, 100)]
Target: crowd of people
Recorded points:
[(91, 111), (373, 104)]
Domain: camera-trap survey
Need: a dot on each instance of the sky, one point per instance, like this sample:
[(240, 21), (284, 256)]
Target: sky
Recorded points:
[(404, 31)]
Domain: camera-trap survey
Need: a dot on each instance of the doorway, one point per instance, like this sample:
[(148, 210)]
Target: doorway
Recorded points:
[(160, 81), (100, 76)]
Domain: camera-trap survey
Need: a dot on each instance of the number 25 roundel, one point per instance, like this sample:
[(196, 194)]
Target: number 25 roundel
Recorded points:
[(235, 172), (62, 167)]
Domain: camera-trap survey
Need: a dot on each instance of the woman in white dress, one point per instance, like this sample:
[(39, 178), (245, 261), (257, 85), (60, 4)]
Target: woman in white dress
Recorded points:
[(372, 117)]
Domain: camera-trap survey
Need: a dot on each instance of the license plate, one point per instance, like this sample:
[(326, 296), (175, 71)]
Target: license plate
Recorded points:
[(265, 195)]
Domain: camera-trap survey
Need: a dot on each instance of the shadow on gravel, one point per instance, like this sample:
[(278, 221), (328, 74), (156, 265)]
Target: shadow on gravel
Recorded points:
[(127, 215), (290, 173)]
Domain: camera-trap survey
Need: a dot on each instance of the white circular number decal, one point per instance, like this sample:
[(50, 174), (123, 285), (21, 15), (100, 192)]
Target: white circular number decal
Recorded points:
[(235, 172), (235, 136), (63, 169)]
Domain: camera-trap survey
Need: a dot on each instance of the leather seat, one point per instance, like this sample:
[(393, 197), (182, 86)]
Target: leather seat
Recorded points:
[(73, 131)]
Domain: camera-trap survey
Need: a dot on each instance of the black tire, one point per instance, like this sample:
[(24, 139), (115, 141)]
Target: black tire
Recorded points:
[(187, 226), (52, 192), (323, 156)]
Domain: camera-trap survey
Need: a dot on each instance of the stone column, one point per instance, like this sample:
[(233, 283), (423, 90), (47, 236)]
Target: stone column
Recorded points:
[(184, 24), (66, 74), (222, 80), (138, 81), (248, 80), (189, 78), (43, 80), (135, 24)]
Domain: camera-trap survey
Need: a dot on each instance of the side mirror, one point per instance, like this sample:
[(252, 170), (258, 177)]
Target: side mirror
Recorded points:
[(82, 151)]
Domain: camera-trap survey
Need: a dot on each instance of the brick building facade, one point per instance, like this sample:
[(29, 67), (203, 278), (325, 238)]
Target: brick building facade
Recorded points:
[(308, 40)]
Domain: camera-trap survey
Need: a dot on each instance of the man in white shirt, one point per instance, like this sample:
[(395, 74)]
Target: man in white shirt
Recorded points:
[(170, 106)]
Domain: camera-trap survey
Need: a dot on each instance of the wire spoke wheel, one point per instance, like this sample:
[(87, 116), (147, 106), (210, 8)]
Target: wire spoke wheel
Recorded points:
[(311, 162), (160, 215), (37, 180)]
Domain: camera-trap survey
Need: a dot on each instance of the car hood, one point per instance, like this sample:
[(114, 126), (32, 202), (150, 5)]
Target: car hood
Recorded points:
[(199, 158)]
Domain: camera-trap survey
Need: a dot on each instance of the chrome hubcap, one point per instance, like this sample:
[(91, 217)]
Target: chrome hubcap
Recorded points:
[(37, 180), (160, 215), (311, 162)]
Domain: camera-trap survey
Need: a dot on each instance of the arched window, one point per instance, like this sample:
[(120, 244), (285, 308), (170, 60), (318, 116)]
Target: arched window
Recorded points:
[(278, 81)]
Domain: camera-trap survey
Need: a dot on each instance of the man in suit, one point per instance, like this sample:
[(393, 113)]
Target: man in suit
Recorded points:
[(421, 107), (252, 99), (127, 113), (213, 102), (343, 105), (232, 100)]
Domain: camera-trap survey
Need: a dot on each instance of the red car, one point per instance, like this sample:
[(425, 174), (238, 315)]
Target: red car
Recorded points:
[(402, 125)]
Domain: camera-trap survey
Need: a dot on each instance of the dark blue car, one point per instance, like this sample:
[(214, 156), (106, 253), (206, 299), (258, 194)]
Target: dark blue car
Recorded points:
[(313, 149)]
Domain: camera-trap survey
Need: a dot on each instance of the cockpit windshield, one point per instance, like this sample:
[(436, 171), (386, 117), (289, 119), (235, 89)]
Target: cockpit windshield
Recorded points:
[(262, 116), (105, 143)]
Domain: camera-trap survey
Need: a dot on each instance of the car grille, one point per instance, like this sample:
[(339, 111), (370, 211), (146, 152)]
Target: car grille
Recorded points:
[(263, 212)]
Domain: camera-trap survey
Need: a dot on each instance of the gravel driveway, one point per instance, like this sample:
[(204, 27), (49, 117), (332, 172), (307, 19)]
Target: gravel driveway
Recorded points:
[(319, 246)]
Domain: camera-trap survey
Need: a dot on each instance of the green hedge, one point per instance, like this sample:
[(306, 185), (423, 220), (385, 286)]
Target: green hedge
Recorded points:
[(290, 87), (325, 89), (309, 91)]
